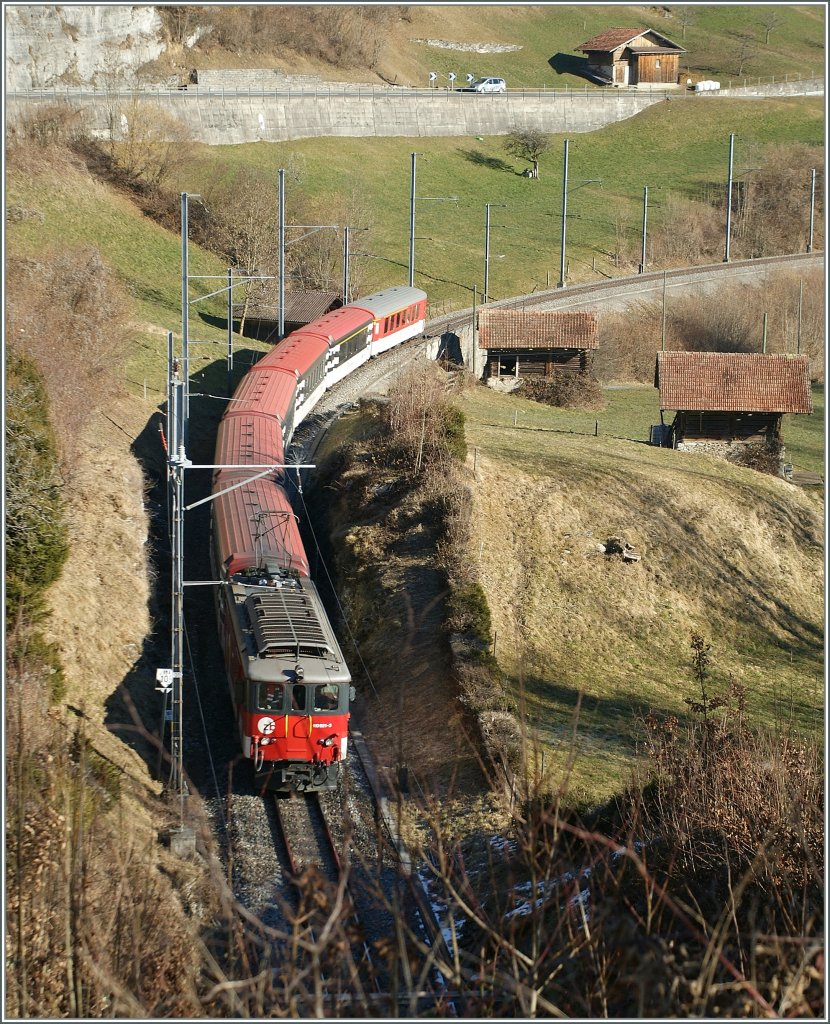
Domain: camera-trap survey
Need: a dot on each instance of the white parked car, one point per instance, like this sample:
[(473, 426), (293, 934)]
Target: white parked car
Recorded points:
[(489, 85)]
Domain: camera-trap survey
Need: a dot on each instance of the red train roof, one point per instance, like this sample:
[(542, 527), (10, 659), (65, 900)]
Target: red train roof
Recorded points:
[(255, 525), (264, 389), (339, 324), (245, 438), (299, 351)]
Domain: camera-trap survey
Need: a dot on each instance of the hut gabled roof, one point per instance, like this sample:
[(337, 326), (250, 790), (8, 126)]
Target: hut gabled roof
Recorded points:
[(614, 38), (515, 329), (733, 382)]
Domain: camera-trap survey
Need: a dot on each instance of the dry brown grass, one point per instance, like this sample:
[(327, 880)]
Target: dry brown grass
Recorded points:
[(733, 554)]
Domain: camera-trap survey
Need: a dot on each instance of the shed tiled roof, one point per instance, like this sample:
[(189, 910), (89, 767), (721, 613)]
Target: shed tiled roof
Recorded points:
[(301, 307), (515, 329), (733, 382), (616, 37)]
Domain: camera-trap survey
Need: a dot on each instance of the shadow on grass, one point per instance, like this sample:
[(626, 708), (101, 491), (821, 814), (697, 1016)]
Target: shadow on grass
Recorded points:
[(493, 163), (135, 710), (570, 64)]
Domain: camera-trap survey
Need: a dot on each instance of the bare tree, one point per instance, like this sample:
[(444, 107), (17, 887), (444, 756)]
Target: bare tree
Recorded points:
[(744, 52), (686, 16), (770, 19), (529, 144)]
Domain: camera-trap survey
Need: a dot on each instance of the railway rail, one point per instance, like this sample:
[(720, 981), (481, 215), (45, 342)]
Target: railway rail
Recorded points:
[(630, 286)]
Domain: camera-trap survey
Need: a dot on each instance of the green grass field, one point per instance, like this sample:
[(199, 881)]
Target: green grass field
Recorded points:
[(673, 147)]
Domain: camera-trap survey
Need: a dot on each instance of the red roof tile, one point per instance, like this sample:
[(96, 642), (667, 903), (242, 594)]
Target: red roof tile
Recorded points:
[(733, 382), (301, 307), (514, 329), (615, 37)]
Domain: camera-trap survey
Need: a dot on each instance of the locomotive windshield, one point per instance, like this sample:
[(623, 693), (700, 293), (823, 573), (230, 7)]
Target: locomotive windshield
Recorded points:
[(270, 696), (326, 697)]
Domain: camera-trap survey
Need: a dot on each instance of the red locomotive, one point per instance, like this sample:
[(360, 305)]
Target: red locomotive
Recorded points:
[(289, 682)]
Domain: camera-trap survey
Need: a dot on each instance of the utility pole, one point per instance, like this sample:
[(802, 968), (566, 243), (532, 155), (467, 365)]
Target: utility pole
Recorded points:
[(812, 209), (281, 238), (412, 198), (346, 264), (230, 328), (645, 226), (414, 159), (185, 310), (800, 302), (561, 283), (487, 208), (764, 335), (663, 326), (729, 197)]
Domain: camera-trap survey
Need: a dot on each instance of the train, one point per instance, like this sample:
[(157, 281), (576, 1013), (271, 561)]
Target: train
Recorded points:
[(289, 683)]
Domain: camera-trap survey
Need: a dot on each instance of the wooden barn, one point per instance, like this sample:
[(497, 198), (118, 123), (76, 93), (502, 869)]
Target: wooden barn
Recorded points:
[(522, 344), (301, 307), (725, 399), (631, 56)]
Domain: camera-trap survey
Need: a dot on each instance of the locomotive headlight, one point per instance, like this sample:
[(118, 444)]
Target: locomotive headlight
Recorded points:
[(328, 741)]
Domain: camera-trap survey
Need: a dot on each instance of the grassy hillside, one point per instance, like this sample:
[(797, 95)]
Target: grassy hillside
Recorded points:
[(62, 204), (713, 36), (673, 147), (729, 553)]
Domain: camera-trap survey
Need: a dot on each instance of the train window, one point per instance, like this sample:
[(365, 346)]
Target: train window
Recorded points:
[(298, 697), (270, 696), (326, 697)]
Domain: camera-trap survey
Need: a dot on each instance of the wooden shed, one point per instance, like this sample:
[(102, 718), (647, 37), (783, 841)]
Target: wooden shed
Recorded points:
[(723, 399), (520, 343), (633, 56), (301, 307)]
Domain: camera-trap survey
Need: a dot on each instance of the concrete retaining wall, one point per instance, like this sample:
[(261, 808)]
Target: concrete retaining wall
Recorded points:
[(219, 119), (810, 87)]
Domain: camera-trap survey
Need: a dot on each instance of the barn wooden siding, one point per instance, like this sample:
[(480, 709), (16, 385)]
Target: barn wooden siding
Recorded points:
[(724, 426), (528, 362), (656, 69), (524, 343)]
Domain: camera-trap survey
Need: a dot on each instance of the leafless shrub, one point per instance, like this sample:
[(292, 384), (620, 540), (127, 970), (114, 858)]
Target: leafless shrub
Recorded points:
[(341, 36), (565, 390), (147, 144), (686, 234), (68, 314), (773, 215), (48, 124), (91, 927), (730, 320)]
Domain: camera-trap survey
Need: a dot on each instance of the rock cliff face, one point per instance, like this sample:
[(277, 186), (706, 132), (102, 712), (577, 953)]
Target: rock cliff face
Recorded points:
[(78, 45)]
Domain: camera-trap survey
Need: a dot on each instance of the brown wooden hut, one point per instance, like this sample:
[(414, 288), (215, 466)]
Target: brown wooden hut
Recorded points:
[(724, 399), (633, 56), (301, 307), (520, 343)]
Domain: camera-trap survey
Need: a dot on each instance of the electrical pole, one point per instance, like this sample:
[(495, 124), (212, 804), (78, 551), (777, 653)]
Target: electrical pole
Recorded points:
[(412, 222), (281, 239), (345, 264), (663, 326), (486, 252), (812, 208), (800, 302), (561, 283), (230, 328), (645, 226), (185, 309), (729, 196)]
